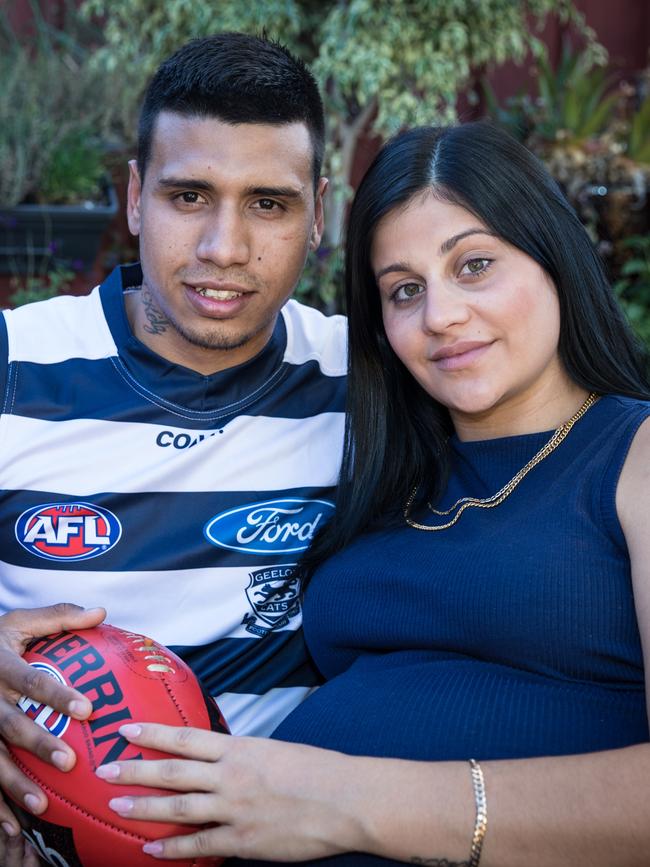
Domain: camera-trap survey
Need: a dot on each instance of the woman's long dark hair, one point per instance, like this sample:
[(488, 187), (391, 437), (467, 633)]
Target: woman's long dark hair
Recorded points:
[(395, 432)]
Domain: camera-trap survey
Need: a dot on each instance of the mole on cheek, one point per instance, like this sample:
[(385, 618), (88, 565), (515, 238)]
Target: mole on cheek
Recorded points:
[(259, 258)]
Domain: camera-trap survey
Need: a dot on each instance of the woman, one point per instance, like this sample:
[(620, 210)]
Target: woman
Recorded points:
[(483, 591)]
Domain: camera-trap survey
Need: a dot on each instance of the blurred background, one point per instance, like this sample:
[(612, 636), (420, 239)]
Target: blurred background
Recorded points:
[(569, 78)]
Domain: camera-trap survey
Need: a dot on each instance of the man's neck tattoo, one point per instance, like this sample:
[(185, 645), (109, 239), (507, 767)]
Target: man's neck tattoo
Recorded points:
[(157, 322)]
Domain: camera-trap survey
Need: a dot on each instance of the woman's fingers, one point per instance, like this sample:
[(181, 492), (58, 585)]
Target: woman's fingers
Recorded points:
[(209, 842), (191, 743), (181, 775), (195, 809)]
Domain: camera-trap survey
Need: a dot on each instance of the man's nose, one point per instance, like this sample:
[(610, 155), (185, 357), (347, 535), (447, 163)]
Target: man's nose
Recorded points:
[(224, 238)]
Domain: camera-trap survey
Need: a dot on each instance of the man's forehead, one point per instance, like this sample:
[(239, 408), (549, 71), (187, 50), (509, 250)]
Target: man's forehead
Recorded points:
[(259, 152)]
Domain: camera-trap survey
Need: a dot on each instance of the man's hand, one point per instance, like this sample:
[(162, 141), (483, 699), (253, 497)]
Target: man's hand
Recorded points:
[(17, 678), (16, 851)]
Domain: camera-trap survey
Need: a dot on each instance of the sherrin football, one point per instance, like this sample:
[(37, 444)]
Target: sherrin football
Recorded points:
[(126, 677)]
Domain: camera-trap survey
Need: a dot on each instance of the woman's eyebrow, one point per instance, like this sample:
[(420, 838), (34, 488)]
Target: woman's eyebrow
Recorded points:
[(445, 247), (450, 243)]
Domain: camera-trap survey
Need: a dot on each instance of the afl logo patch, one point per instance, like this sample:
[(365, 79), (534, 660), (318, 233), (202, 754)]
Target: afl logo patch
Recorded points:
[(43, 715), (68, 531), (274, 527)]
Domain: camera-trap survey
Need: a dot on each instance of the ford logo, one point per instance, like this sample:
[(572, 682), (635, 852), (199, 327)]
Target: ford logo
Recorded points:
[(275, 527)]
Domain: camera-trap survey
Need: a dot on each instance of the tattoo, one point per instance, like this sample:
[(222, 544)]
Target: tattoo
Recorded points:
[(438, 862), (157, 321)]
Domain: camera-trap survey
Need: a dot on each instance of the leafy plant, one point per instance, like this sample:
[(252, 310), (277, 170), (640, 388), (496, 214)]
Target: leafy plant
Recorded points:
[(573, 98), (633, 287), (54, 107), (321, 283), (638, 140), (382, 64), (39, 287)]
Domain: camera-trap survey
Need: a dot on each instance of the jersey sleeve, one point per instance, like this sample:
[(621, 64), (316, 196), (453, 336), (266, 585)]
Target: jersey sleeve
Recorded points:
[(4, 360)]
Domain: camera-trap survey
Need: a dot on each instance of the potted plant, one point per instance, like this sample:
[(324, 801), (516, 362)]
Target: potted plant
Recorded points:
[(55, 195)]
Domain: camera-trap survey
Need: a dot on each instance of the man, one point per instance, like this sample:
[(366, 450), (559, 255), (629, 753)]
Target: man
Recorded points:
[(171, 440)]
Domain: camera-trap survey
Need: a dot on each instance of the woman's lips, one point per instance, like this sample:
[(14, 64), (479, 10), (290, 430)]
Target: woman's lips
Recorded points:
[(459, 355)]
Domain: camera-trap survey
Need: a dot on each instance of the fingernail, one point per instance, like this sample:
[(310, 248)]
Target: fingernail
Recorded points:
[(32, 803), (121, 805), (108, 772), (155, 849), (9, 830), (78, 708), (96, 610), (130, 730), (60, 759)]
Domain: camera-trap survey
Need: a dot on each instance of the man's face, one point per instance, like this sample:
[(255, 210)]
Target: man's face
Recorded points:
[(226, 215)]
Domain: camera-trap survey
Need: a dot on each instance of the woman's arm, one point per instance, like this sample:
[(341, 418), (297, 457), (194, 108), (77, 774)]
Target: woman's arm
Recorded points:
[(290, 802)]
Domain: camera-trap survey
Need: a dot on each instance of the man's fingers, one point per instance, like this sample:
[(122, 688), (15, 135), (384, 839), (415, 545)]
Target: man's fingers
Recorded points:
[(17, 729), (23, 624), (9, 824), (20, 787), (12, 850), (19, 679)]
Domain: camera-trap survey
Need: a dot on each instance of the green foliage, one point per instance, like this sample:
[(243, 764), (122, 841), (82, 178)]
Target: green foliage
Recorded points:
[(638, 141), (74, 170), (574, 101), (381, 64), (321, 283), (53, 107), (39, 287), (633, 287)]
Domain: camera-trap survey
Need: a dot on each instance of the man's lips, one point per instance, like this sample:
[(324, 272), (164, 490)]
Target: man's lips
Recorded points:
[(461, 354), (218, 290)]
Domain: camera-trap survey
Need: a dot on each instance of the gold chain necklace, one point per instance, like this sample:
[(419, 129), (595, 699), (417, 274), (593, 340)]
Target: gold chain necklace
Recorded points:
[(507, 489)]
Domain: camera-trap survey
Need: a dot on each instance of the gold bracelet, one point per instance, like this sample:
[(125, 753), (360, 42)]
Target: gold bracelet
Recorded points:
[(480, 825)]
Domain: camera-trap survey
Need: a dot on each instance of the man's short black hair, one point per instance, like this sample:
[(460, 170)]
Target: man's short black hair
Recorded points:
[(235, 78)]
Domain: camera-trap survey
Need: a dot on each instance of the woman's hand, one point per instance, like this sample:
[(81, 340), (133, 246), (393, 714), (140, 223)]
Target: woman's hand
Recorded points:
[(259, 798)]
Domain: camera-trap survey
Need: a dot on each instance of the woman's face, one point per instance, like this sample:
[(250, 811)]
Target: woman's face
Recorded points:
[(475, 320)]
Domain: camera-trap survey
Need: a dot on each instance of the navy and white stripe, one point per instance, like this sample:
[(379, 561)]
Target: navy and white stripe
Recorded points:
[(93, 420)]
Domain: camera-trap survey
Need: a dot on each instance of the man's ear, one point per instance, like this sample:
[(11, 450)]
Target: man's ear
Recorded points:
[(319, 222), (133, 199)]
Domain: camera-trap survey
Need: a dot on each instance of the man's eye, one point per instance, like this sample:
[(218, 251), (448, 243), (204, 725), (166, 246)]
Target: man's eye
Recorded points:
[(189, 197), (267, 204)]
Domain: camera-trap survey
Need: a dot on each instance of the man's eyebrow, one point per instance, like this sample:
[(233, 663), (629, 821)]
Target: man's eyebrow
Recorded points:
[(184, 183), (197, 184), (276, 192)]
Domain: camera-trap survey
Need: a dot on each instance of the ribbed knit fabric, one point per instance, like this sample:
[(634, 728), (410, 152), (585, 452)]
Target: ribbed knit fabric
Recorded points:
[(511, 634)]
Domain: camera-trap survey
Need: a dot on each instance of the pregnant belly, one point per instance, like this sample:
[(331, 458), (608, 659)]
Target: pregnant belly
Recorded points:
[(445, 709)]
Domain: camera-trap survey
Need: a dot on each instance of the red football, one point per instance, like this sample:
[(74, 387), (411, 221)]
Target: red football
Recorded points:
[(126, 677)]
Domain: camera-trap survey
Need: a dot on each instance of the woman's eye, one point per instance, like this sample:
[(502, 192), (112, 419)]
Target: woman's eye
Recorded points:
[(407, 291), (475, 267)]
